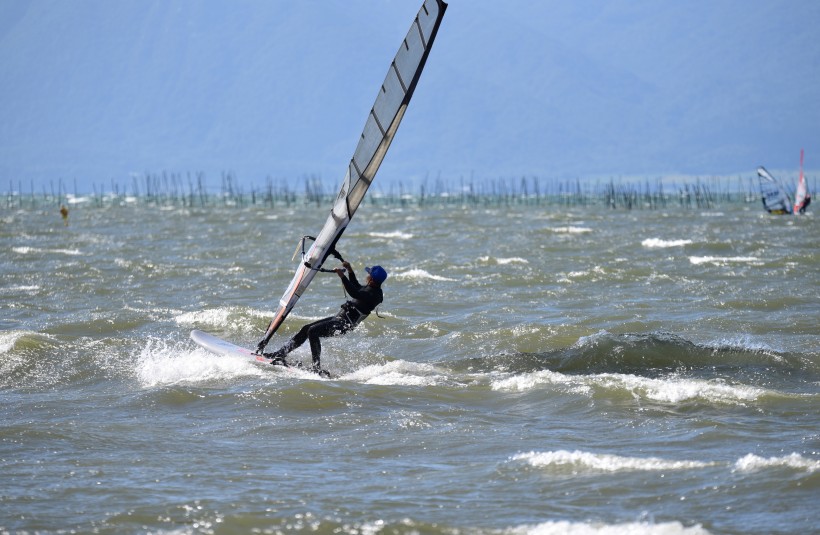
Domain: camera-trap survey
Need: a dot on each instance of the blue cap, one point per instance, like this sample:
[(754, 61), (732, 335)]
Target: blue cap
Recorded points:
[(377, 273)]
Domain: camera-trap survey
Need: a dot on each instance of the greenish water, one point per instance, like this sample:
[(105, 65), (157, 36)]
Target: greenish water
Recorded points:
[(534, 370)]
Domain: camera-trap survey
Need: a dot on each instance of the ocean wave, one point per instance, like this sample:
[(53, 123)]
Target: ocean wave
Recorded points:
[(725, 260), (26, 250), (528, 381), (503, 261), (395, 235), (23, 288), (583, 461), (420, 274), (563, 527), (753, 463), (665, 390), (307, 523), (398, 372), (571, 230), (214, 316), (653, 243), (232, 318), (9, 338), (642, 353), (578, 462), (22, 339)]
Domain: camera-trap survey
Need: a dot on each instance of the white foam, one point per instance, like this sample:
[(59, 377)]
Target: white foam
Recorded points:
[(8, 339), (571, 230), (420, 274), (753, 463), (396, 235), (233, 318), (160, 365), (33, 250), (503, 261), (676, 390), (529, 381), (398, 372), (667, 390), (724, 260), (564, 527), (72, 199), (583, 461), (653, 243), (215, 316), (21, 288)]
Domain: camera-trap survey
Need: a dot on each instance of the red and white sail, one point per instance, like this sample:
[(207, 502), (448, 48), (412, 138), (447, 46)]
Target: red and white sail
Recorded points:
[(802, 197)]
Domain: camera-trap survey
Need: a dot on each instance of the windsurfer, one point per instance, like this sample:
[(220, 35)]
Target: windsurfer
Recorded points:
[(364, 298), (802, 208)]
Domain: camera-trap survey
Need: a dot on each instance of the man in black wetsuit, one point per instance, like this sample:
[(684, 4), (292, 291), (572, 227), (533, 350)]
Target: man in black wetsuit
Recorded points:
[(364, 298)]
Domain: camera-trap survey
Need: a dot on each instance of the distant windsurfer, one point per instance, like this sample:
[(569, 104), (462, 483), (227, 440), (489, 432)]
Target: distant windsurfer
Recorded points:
[(805, 204), (364, 299)]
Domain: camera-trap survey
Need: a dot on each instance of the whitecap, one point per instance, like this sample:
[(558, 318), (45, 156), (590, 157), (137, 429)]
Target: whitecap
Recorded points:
[(396, 235), (20, 288), (224, 318), (528, 381), (583, 461), (723, 260), (72, 199), (565, 527), (33, 250), (503, 261), (676, 390), (666, 390), (657, 243), (420, 274), (753, 463), (571, 230), (216, 316), (398, 372), (8, 339)]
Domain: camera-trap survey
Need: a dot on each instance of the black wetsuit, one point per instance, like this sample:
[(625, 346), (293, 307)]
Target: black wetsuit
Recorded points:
[(363, 300)]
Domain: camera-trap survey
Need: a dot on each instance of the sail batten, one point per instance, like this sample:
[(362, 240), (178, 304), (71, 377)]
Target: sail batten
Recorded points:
[(774, 197), (379, 130)]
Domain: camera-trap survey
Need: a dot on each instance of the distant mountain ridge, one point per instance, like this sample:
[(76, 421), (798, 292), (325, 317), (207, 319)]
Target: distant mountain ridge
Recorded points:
[(97, 90)]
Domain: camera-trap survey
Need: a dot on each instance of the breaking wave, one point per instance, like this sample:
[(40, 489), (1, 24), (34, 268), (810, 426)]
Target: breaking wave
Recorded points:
[(657, 243), (582, 461)]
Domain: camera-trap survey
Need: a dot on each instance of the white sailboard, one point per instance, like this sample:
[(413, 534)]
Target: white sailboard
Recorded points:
[(223, 347), (379, 129), (217, 345)]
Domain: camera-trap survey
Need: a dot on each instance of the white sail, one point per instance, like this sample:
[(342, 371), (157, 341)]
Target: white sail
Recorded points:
[(775, 199), (802, 197), (379, 129)]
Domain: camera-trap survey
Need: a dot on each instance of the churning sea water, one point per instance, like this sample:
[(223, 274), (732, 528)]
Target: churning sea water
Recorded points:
[(533, 369)]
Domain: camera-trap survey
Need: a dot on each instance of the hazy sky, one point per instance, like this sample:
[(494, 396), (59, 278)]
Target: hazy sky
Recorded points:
[(97, 90)]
